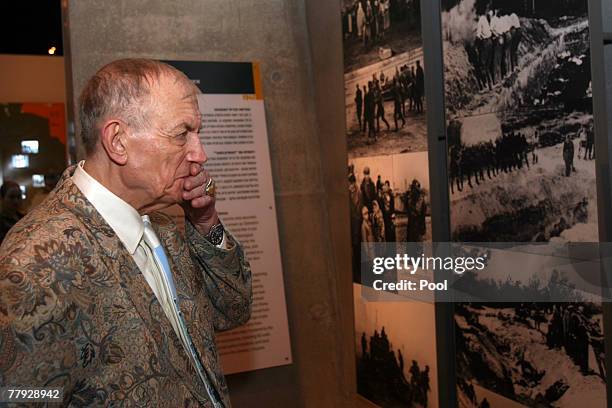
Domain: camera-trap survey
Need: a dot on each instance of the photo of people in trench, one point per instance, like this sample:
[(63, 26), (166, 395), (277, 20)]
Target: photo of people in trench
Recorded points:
[(521, 169), (384, 78)]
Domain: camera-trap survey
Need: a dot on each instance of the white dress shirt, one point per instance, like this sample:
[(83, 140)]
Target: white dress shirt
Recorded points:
[(496, 26), (515, 21)]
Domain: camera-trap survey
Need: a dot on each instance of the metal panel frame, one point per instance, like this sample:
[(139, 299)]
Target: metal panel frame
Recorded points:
[(440, 202), (602, 161), (431, 31)]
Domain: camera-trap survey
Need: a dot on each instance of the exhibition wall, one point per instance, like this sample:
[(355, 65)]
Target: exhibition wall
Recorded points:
[(511, 159), (311, 69)]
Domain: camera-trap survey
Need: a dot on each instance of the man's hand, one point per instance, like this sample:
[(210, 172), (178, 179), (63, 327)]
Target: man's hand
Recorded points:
[(199, 207)]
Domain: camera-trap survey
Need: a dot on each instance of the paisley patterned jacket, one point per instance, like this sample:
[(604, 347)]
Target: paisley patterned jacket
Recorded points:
[(75, 311)]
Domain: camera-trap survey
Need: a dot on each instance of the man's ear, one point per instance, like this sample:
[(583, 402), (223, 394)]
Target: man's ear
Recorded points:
[(114, 141)]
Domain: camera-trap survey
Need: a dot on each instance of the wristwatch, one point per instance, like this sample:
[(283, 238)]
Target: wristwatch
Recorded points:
[(215, 235)]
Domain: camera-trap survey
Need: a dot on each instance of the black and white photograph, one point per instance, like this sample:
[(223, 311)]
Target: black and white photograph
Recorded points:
[(521, 163), (520, 123), (545, 350), (537, 354), (395, 351), (384, 77), (389, 201), (512, 180)]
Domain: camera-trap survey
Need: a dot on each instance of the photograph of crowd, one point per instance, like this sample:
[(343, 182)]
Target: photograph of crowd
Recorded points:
[(396, 364), (520, 123), (384, 77), (521, 169), (389, 201), (369, 25)]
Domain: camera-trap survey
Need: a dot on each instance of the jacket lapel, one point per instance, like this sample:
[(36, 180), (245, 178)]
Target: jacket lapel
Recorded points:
[(189, 290)]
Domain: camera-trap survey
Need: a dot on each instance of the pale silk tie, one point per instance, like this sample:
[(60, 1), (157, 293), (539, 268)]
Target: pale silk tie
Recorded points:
[(166, 294)]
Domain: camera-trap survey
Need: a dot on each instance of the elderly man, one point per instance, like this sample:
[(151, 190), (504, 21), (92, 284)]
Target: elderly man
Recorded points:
[(99, 292)]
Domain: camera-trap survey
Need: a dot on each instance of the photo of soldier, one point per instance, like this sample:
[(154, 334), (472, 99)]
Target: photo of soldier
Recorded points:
[(368, 114), (398, 89), (398, 102), (508, 152), (359, 104), (368, 189), (416, 209), (568, 156), (369, 25), (516, 130), (491, 43), (356, 213), (419, 87)]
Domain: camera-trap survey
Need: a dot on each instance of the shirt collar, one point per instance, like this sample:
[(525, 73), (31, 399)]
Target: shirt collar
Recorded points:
[(122, 217)]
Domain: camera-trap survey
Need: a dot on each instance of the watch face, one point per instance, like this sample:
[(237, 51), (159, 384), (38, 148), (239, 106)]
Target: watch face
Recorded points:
[(215, 236)]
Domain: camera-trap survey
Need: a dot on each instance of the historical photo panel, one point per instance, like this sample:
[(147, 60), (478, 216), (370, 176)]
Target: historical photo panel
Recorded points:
[(389, 201), (522, 169), (396, 356), (384, 77), (520, 122)]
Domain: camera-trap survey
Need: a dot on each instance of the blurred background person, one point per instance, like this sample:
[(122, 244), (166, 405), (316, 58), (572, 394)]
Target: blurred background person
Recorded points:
[(10, 213)]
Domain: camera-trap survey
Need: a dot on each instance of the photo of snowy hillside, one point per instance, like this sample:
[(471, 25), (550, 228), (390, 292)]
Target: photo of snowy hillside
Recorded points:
[(539, 355), (520, 123)]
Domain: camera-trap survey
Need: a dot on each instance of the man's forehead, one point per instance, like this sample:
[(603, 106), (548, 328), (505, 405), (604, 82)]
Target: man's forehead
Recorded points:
[(176, 84), (175, 89)]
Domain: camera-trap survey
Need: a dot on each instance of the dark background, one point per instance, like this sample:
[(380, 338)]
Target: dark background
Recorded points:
[(30, 27), (530, 8)]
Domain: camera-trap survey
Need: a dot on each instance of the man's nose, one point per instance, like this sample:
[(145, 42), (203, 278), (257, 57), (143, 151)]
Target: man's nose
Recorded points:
[(196, 152)]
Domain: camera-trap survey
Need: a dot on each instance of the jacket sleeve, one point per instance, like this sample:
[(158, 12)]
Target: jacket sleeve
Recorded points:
[(227, 278), (37, 326)]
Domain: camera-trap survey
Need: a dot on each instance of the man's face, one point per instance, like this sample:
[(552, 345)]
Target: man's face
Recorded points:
[(160, 156)]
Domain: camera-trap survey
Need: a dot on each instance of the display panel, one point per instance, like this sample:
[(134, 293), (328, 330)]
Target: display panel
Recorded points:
[(233, 131), (38, 180), (20, 161), (522, 169), (388, 183)]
